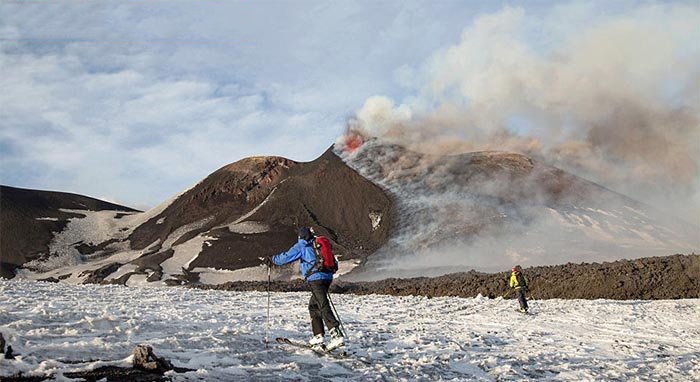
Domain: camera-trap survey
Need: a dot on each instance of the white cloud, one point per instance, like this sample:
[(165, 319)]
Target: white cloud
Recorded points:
[(140, 100)]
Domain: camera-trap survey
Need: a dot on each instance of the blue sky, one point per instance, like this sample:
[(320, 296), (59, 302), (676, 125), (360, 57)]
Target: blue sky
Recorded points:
[(135, 101)]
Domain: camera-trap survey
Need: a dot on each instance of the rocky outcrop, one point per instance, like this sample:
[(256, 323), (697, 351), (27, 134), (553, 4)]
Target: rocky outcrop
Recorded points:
[(96, 276), (147, 367), (145, 359), (6, 353), (668, 277)]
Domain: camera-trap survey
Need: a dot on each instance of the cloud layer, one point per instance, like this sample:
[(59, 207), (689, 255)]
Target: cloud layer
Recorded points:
[(135, 101)]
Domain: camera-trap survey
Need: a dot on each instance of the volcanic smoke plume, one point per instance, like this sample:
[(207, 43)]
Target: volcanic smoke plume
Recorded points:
[(613, 100)]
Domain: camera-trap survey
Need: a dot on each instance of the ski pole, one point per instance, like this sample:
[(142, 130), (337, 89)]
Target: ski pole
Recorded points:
[(507, 293), (342, 327), (267, 328)]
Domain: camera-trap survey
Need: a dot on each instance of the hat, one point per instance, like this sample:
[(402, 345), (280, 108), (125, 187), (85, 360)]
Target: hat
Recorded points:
[(517, 268), (305, 233)]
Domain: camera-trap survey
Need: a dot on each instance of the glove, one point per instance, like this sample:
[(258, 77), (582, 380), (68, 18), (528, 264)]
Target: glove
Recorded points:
[(268, 261)]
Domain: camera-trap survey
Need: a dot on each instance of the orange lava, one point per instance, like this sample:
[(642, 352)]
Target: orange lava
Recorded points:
[(353, 141)]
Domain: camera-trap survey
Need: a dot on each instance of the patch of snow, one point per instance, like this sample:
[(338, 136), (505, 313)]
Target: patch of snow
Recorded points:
[(248, 227), (153, 246), (376, 219), (47, 218), (251, 212), (137, 280), (122, 256), (181, 231), (254, 210), (161, 220), (220, 335), (213, 276), (93, 228), (133, 220), (184, 255), (124, 269)]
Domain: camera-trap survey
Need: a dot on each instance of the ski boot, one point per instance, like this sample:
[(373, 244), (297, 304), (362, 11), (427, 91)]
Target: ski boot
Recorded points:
[(337, 339), (316, 342)]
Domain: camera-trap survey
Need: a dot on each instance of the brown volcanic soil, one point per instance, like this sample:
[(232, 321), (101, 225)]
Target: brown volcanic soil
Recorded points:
[(229, 192), (22, 237), (280, 195), (651, 278)]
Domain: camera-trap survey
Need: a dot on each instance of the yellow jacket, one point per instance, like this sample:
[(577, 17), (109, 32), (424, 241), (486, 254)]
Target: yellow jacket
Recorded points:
[(514, 280)]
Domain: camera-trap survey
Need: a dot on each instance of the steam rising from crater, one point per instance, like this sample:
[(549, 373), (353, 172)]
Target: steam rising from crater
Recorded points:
[(615, 102), (612, 99)]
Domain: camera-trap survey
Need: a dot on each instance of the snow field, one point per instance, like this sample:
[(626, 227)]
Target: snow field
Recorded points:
[(61, 328)]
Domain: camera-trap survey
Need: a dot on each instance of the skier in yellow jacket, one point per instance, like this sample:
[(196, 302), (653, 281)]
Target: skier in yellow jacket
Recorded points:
[(520, 283)]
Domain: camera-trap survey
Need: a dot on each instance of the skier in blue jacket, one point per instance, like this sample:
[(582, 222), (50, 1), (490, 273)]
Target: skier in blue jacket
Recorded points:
[(319, 282)]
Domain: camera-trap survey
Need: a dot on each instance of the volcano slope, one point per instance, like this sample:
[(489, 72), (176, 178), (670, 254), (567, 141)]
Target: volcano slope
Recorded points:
[(220, 228), (29, 218), (394, 212), (490, 210), (252, 208)]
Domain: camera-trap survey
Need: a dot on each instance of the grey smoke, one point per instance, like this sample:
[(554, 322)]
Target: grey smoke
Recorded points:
[(615, 102), (490, 210)]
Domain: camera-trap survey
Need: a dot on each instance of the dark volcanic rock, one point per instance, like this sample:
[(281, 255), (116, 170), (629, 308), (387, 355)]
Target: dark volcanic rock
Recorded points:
[(669, 277), (117, 374), (96, 276), (21, 378), (23, 237), (152, 262), (146, 359), (9, 353)]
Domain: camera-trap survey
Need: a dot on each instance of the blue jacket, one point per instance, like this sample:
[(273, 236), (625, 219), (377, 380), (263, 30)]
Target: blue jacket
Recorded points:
[(303, 251)]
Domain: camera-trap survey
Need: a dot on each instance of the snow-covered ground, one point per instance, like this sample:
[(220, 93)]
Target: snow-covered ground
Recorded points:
[(220, 334)]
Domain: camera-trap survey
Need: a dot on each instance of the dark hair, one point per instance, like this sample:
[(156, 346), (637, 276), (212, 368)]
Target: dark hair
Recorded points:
[(305, 233)]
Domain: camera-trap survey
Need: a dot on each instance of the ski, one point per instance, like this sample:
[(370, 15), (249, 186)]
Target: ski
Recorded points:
[(321, 352), (318, 350)]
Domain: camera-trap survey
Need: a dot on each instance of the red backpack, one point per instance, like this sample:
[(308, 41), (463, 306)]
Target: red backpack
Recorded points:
[(325, 260)]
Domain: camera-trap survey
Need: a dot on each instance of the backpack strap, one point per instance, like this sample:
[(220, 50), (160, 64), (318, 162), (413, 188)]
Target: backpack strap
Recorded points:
[(315, 268)]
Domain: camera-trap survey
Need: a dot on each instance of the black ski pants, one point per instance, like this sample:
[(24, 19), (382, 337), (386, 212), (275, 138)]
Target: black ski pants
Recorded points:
[(520, 293), (320, 308)]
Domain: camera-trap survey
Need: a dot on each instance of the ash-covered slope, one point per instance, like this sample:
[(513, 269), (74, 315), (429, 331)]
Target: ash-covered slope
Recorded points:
[(490, 210), (219, 229), (29, 218)]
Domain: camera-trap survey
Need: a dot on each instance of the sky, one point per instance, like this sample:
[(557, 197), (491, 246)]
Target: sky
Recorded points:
[(135, 101)]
